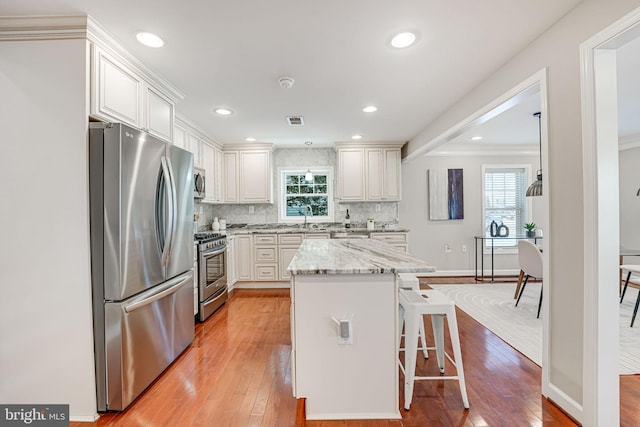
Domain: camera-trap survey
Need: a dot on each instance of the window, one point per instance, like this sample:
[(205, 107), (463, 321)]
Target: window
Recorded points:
[(504, 201), (300, 197)]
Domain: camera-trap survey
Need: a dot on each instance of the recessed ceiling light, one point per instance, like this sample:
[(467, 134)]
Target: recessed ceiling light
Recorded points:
[(401, 40), (149, 39), (223, 111), (250, 139), (476, 138), (370, 109), (356, 137)]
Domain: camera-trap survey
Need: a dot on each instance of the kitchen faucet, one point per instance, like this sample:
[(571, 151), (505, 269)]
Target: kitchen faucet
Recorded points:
[(307, 209)]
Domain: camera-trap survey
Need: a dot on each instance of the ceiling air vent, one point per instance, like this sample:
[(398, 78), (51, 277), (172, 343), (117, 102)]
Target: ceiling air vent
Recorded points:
[(295, 120)]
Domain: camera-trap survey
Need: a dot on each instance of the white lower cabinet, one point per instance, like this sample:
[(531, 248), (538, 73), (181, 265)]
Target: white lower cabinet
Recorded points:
[(288, 245), (265, 255), (397, 240), (244, 258), (231, 262)]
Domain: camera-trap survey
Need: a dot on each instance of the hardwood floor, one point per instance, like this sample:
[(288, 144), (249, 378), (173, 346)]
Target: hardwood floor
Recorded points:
[(237, 373)]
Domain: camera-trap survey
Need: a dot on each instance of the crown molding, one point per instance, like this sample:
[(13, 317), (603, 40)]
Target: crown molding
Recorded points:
[(190, 126), (58, 27), (446, 151), (629, 142), (81, 27), (372, 144)]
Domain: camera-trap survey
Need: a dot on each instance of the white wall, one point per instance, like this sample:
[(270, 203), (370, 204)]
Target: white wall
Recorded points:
[(46, 355), (427, 238), (557, 49)]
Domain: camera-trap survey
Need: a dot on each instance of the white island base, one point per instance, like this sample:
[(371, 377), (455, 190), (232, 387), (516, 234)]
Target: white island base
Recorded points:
[(357, 380)]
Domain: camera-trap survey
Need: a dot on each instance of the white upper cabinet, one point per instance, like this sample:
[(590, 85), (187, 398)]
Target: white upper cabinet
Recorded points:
[(159, 114), (120, 94), (369, 172), (116, 91), (255, 176), (230, 160), (247, 175), (351, 174), (179, 137), (383, 174), (193, 145)]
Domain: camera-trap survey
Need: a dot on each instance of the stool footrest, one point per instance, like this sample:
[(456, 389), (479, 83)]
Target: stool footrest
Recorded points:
[(444, 377)]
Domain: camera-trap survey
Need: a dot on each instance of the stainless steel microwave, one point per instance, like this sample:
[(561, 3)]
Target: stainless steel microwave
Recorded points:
[(198, 183)]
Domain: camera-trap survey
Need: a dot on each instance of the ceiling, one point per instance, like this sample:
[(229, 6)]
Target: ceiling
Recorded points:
[(231, 54)]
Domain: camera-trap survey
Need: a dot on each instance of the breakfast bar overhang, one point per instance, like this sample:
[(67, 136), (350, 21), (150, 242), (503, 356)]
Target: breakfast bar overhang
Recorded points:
[(344, 317)]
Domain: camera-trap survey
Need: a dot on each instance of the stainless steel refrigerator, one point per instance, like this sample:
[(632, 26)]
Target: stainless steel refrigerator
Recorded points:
[(141, 192)]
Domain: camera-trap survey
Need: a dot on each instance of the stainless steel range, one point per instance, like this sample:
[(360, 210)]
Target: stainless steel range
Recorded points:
[(212, 272)]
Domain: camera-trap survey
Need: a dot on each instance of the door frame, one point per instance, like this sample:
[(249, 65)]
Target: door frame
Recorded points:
[(601, 381)]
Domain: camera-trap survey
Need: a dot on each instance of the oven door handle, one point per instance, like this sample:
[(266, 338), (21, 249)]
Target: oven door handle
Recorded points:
[(216, 251)]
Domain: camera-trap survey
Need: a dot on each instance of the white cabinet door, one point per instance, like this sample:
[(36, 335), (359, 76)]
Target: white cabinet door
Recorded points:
[(351, 177), (285, 256), (244, 260), (218, 175), (254, 177), (230, 177), (193, 145), (179, 137), (208, 163), (375, 174), (392, 175), (159, 114), (231, 262), (116, 91)]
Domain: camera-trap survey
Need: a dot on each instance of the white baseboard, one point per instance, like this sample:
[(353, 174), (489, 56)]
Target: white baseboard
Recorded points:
[(562, 400), (83, 418)]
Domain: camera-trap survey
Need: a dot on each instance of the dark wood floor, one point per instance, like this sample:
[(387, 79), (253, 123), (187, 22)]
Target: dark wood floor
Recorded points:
[(237, 373)]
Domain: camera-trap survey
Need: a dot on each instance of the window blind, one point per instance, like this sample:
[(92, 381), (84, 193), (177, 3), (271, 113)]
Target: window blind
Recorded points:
[(505, 202)]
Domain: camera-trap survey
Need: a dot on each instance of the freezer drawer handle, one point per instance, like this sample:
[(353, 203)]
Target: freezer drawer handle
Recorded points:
[(155, 297)]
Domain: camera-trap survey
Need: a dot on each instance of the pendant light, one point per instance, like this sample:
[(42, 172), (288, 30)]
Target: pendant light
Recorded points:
[(308, 176), (535, 189)]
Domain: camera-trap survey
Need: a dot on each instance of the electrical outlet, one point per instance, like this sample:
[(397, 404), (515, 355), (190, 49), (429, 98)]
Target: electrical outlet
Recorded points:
[(464, 248), (447, 248), (252, 209), (377, 207)]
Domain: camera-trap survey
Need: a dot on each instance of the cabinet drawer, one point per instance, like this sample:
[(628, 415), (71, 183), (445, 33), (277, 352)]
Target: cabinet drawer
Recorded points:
[(390, 237), (317, 236), (266, 254), (290, 239), (265, 239), (401, 247), (266, 272)]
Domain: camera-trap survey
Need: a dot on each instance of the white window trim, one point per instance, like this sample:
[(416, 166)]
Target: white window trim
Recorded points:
[(528, 169), (325, 170)]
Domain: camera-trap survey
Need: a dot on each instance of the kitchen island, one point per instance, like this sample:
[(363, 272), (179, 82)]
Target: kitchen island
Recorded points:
[(344, 305)]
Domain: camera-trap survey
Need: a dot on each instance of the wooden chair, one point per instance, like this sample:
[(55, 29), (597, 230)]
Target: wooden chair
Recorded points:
[(530, 259)]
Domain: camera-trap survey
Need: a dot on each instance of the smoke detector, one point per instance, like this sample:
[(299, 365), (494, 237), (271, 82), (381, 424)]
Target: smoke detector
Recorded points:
[(286, 82)]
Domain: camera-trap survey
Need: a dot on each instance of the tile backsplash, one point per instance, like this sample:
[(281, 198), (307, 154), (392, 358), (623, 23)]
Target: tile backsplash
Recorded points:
[(268, 213)]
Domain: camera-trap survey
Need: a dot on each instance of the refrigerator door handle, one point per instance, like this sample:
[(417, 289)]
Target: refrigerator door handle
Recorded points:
[(170, 211), (174, 203), (170, 287)]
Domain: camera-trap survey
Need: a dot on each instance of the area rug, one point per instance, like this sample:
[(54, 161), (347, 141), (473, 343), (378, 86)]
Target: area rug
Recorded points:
[(493, 306)]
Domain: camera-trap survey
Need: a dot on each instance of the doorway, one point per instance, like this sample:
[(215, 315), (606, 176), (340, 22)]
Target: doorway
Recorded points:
[(600, 134)]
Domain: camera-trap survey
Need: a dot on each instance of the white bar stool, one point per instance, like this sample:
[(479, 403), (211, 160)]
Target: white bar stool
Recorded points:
[(413, 305), (630, 269), (410, 281)]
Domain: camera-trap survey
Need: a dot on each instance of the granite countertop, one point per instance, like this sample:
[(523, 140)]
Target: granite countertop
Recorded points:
[(353, 256), (235, 229)]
